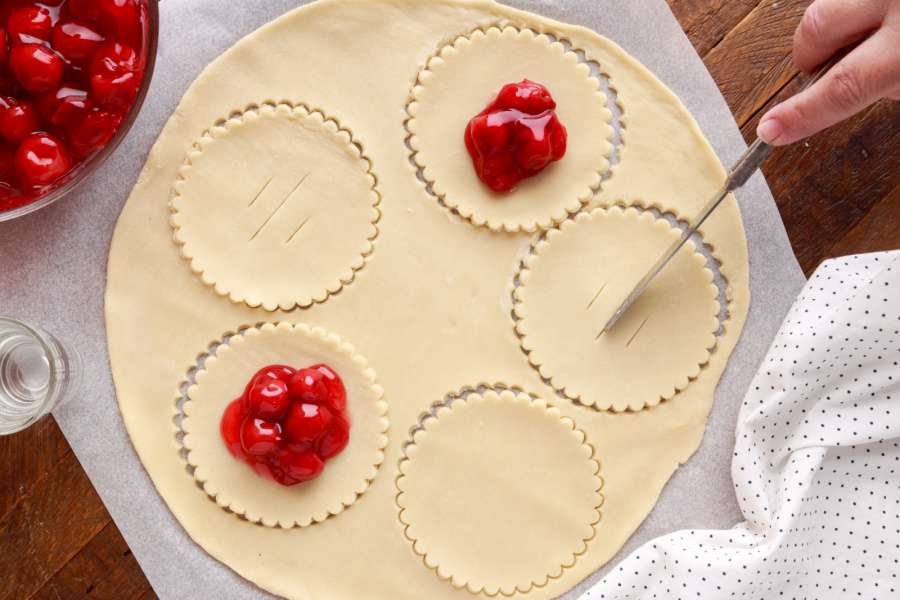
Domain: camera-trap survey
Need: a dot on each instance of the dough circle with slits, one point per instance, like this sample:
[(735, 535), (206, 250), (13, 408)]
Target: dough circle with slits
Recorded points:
[(461, 80), (575, 279), (233, 484), (276, 207), (430, 310), (461, 473)]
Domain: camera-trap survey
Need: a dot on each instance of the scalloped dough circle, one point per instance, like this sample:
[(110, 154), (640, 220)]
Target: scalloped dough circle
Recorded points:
[(657, 347), (464, 471), (237, 487), (296, 223), (461, 80)]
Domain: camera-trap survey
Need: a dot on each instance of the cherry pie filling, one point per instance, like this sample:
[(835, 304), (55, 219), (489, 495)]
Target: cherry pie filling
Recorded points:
[(288, 422), (70, 71), (517, 136)]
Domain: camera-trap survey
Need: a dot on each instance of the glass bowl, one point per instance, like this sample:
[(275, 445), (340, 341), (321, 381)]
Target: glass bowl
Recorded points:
[(84, 170)]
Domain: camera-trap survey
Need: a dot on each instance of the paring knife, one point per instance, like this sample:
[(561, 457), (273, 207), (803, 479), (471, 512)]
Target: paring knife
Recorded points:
[(746, 166)]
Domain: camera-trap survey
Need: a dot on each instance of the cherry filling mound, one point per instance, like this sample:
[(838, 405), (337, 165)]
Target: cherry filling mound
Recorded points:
[(70, 70), (288, 422), (516, 136)]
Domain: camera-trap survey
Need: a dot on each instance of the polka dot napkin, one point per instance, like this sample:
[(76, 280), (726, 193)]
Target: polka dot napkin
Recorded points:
[(816, 464)]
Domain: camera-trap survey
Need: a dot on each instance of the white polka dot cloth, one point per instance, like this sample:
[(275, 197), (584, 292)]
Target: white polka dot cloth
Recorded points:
[(816, 465)]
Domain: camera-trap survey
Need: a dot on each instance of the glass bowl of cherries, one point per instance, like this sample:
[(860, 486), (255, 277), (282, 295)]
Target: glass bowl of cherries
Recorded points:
[(73, 75)]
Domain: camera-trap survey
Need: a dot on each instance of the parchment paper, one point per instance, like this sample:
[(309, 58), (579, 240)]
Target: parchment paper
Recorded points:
[(53, 269)]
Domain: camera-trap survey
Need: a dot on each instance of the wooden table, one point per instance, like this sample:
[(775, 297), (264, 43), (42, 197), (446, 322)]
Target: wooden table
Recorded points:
[(838, 193)]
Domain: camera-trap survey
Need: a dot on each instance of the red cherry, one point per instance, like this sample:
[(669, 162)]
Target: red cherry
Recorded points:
[(282, 372), (29, 24), (41, 159), (527, 96), (76, 41), (65, 107), (488, 135), (558, 138), (18, 118), (499, 172), (8, 84), (94, 132), (301, 466), (115, 77), (268, 400), (306, 422), (260, 437), (337, 394), (230, 428), (309, 385), (534, 155), (85, 9), (35, 67), (121, 19), (335, 438), (3, 48)]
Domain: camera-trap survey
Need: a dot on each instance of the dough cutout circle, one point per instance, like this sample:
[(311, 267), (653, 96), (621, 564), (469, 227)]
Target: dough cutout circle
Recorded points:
[(233, 484), (603, 254), (296, 224), (460, 80), (458, 480)]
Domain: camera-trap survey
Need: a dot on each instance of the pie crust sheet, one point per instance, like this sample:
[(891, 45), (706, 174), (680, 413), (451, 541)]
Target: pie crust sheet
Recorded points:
[(422, 290), (469, 462), (232, 483)]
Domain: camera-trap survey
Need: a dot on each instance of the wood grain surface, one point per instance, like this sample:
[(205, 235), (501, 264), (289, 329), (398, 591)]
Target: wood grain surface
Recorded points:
[(838, 193)]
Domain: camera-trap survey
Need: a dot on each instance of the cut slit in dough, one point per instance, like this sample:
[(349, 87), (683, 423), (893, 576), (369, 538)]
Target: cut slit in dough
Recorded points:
[(276, 207), (461, 80), (232, 483), (603, 254), (475, 459)]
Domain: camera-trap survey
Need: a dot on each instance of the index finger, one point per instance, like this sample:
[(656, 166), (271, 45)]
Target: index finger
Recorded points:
[(829, 25)]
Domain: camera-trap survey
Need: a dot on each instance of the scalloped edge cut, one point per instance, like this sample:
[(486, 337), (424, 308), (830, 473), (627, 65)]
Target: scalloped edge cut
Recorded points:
[(552, 380), (221, 128), (433, 187), (493, 393), (321, 336)]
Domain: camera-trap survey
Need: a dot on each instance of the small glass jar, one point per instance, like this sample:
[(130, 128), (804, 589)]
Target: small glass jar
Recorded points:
[(37, 374)]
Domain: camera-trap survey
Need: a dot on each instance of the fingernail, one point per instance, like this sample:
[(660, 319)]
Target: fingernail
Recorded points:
[(769, 130)]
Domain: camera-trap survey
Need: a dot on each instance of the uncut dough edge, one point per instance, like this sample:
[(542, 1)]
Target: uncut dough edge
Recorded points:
[(161, 317)]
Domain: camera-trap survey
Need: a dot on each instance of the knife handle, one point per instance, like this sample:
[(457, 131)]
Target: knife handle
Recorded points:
[(759, 151)]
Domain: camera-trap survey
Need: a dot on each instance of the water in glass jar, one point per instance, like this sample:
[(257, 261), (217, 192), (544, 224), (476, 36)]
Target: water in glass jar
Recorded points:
[(36, 372)]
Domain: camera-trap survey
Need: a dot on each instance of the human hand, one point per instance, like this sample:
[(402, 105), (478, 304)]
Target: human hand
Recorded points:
[(870, 72)]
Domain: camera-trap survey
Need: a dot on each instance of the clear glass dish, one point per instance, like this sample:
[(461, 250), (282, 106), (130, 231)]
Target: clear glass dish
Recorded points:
[(81, 172)]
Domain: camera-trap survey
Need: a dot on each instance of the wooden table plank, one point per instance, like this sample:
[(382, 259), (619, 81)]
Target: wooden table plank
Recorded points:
[(104, 569), (838, 193), (752, 62), (826, 185), (48, 527), (25, 459), (706, 22), (877, 231)]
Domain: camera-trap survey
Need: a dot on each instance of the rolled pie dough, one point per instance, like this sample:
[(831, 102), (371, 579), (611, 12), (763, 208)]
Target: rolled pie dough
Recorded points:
[(432, 308), (465, 468), (232, 483)]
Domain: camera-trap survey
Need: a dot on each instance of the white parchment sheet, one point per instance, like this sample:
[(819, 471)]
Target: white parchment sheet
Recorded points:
[(53, 269)]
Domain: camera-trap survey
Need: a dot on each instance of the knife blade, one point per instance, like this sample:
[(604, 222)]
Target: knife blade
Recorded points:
[(742, 170)]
